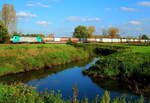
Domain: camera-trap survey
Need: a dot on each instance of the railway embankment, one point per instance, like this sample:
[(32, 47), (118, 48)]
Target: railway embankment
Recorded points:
[(27, 57)]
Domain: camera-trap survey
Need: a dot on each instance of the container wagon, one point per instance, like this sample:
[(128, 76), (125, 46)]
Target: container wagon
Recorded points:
[(48, 40), (75, 40), (64, 39), (91, 40)]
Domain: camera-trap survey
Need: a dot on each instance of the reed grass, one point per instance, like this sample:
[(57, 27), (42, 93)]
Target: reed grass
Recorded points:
[(24, 94)]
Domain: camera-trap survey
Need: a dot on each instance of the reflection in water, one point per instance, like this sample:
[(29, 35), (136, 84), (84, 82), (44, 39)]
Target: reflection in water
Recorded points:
[(43, 73), (123, 87), (63, 78)]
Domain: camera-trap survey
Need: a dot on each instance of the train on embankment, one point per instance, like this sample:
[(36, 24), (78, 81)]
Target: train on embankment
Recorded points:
[(23, 39)]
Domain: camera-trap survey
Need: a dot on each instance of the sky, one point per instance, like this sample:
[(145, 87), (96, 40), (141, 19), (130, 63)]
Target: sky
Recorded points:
[(60, 17)]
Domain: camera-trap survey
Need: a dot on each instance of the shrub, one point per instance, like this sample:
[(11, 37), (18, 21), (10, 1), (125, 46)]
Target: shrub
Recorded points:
[(4, 37)]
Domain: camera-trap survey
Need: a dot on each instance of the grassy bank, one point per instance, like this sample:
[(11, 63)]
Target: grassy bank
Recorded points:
[(134, 61), (21, 94), (27, 57)]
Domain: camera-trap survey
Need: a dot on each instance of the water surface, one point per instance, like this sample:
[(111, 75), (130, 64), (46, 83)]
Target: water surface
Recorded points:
[(63, 78)]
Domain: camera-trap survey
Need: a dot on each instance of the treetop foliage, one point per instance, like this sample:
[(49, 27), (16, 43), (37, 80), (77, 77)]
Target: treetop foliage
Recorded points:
[(81, 32), (144, 36)]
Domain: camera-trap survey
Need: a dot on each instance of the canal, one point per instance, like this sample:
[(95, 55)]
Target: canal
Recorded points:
[(63, 78)]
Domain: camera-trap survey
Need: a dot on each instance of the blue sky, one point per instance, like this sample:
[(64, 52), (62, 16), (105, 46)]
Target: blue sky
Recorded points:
[(132, 17)]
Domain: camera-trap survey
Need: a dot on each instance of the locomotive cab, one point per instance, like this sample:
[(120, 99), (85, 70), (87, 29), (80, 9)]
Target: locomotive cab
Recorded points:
[(15, 39)]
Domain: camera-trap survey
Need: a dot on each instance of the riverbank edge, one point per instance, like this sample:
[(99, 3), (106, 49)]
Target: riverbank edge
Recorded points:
[(118, 77), (48, 65)]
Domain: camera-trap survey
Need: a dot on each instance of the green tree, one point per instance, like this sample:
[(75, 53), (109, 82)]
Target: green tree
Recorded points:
[(113, 32), (144, 37), (81, 32), (4, 37), (91, 30)]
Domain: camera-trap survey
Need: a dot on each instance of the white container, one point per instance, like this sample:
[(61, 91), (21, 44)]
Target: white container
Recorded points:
[(91, 40), (124, 40), (106, 40), (136, 40), (98, 40), (57, 39), (115, 40)]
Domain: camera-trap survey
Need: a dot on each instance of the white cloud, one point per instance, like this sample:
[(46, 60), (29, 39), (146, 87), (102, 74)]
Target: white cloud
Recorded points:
[(44, 23), (38, 4), (23, 14), (144, 3), (82, 19), (128, 9), (134, 22)]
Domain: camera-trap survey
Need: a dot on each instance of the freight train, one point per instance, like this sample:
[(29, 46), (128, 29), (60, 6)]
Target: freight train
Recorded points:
[(21, 39)]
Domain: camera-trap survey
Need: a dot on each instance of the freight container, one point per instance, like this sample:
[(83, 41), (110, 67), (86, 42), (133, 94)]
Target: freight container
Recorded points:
[(83, 40), (46, 40), (116, 40), (106, 40), (142, 41), (75, 40), (98, 40), (91, 40), (64, 39), (57, 39), (136, 40), (130, 40), (123, 40)]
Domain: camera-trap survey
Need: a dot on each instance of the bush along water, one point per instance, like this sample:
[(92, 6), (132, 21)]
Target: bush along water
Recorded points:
[(122, 65), (23, 94), (121, 60), (131, 65)]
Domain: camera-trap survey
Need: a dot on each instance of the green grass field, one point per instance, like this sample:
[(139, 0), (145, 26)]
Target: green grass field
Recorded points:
[(140, 49), (26, 57)]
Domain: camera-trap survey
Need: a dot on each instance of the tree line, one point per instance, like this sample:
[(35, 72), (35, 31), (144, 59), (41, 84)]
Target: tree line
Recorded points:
[(88, 32)]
